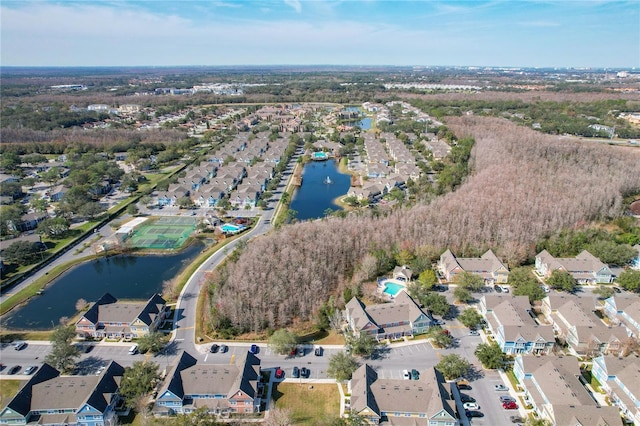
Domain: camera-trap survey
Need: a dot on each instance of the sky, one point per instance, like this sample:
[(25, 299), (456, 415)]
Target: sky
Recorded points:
[(510, 33)]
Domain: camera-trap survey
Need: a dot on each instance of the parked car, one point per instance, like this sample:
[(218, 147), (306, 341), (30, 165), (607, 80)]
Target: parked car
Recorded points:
[(497, 288), (474, 413), (505, 288), (254, 349), (305, 372), (30, 369), (510, 405), (279, 373), (471, 406), (295, 373), (500, 388), (88, 348), (406, 375), (224, 348), (516, 419), (464, 387), (438, 322), (318, 351), (301, 351), (546, 288), (467, 398), (293, 351), (474, 333), (506, 398), (214, 348), (18, 346), (133, 350), (99, 370), (415, 375), (617, 289), (14, 369)]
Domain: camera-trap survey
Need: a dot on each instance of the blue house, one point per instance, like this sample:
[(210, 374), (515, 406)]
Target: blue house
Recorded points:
[(509, 319), (51, 399), (620, 379), (624, 311)]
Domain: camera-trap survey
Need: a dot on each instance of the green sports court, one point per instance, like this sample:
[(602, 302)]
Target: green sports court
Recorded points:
[(163, 233)]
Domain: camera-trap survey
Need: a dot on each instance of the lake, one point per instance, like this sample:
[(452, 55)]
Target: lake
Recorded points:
[(124, 276), (315, 195)]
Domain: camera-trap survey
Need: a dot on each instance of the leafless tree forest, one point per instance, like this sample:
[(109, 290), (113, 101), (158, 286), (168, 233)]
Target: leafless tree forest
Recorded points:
[(524, 185)]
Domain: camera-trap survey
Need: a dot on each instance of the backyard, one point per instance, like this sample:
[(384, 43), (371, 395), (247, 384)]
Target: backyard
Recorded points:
[(308, 404)]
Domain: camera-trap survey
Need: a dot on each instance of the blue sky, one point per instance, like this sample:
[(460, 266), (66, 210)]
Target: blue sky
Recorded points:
[(539, 33)]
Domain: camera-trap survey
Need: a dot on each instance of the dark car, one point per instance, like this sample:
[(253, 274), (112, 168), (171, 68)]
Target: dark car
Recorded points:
[(14, 369), (279, 373), (254, 349), (224, 348), (295, 373), (305, 372), (88, 348), (318, 351), (214, 348), (415, 375), (497, 288), (474, 413), (617, 289), (464, 387), (466, 398), (516, 419)]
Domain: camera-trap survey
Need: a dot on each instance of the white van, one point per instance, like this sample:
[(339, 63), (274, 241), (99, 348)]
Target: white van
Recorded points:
[(133, 350)]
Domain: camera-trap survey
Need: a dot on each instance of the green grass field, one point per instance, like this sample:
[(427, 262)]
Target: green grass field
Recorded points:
[(8, 389), (308, 404)]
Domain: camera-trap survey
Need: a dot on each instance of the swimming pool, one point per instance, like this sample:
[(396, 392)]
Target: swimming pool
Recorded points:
[(227, 227), (392, 288), (320, 155)]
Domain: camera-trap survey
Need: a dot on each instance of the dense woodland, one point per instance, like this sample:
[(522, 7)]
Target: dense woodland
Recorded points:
[(523, 187)]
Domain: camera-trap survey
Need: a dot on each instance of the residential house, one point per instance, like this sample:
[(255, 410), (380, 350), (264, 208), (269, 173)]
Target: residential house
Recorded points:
[(576, 323), (28, 221), (222, 388), (115, 320), (624, 311), (488, 266), (553, 387), (56, 193), (427, 401), (395, 320), (585, 267), (620, 379), (51, 399), (402, 273), (512, 323)]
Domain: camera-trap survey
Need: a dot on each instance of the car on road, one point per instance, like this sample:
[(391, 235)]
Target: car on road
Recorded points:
[(279, 373), (30, 369), (305, 372), (253, 349), (214, 348), (474, 413), (516, 419), (506, 398), (471, 406), (474, 333), (14, 369), (295, 373), (467, 398), (415, 375), (224, 348), (510, 405), (500, 387), (406, 375), (318, 351)]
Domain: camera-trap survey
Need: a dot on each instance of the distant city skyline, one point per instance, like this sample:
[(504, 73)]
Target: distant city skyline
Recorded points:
[(571, 33)]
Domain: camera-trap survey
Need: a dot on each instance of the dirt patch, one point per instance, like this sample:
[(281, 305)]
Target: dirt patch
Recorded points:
[(635, 208)]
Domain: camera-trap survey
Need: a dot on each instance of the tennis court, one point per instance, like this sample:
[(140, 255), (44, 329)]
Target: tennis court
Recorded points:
[(164, 233)]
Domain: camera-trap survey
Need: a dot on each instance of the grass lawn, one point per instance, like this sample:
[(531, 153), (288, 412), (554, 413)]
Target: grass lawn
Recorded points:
[(8, 389), (308, 406)]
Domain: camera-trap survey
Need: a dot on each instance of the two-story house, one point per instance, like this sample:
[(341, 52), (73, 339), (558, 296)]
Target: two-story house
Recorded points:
[(575, 323), (112, 319), (585, 268), (552, 386), (624, 311), (394, 320), (488, 266), (51, 399), (510, 320), (223, 389), (426, 401), (620, 379)]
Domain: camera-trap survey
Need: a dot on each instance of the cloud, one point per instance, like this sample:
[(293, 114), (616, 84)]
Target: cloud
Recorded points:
[(295, 4)]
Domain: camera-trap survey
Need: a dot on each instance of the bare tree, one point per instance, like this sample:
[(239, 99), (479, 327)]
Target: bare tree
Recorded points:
[(278, 416), (81, 304)]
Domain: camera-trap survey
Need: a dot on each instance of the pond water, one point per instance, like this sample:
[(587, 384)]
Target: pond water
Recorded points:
[(124, 276), (364, 124), (316, 195)]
